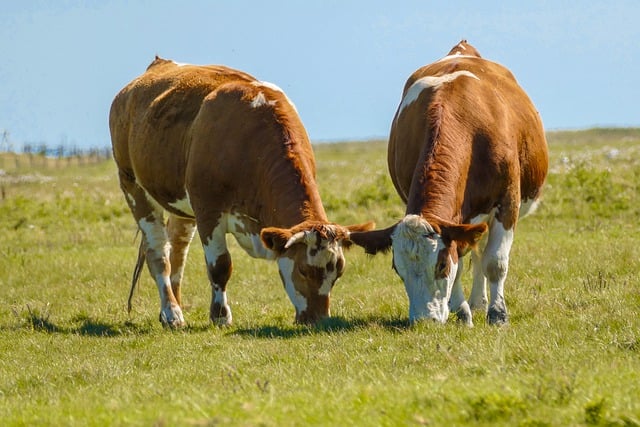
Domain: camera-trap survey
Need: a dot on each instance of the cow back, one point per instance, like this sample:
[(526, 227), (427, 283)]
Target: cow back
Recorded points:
[(465, 130)]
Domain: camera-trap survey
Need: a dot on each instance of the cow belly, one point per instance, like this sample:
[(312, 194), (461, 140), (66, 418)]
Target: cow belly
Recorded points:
[(176, 205), (246, 230)]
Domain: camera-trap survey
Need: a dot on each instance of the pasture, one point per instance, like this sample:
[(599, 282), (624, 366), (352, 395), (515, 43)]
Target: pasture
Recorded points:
[(70, 354)]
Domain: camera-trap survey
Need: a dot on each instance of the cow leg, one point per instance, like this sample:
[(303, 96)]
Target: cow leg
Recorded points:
[(478, 298), (457, 302), (181, 231), (149, 217), (495, 262), (219, 268)]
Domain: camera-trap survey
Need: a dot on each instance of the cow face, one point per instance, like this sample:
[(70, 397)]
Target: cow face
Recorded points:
[(427, 265), (425, 256), (310, 260)]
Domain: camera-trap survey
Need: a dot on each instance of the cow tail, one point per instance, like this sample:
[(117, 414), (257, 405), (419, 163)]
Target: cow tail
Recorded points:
[(136, 272)]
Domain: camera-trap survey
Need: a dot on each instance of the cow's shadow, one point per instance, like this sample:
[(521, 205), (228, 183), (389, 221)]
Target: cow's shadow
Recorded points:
[(327, 326), (84, 325)]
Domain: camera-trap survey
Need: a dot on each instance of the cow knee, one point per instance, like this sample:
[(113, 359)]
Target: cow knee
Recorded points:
[(495, 268)]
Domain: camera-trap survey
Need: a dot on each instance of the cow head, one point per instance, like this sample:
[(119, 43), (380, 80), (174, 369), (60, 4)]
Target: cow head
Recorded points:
[(310, 260), (425, 256)]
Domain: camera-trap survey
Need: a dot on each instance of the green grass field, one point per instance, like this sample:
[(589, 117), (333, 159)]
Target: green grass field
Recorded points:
[(71, 355)]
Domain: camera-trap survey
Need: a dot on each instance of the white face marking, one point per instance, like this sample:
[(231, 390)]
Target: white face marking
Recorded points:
[(415, 254), (260, 100), (430, 82), (238, 224), (180, 64), (275, 88), (328, 254), (183, 205), (298, 300)]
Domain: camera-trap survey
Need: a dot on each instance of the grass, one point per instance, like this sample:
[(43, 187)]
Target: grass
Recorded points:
[(71, 355)]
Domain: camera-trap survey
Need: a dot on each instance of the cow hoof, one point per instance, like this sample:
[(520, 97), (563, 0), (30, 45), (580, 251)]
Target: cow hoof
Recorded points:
[(464, 315), (479, 305), (172, 317), (220, 315), (497, 316)]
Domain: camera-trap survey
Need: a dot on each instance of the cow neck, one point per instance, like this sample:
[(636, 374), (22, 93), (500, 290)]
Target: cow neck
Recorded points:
[(291, 187)]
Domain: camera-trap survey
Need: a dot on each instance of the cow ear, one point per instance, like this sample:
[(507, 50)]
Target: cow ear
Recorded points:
[(465, 234), (373, 241), (275, 238), (357, 228)]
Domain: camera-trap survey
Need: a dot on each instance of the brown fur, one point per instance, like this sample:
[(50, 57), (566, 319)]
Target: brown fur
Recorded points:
[(234, 145), (464, 148), (480, 145)]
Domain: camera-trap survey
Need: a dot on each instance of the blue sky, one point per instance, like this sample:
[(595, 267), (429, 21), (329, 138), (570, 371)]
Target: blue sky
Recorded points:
[(343, 63)]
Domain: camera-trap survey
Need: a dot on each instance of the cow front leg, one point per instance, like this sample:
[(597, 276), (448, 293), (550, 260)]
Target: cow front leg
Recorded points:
[(495, 262), (181, 231), (219, 269), (457, 302)]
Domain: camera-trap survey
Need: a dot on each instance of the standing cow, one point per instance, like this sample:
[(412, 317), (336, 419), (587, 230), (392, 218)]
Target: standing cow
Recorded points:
[(217, 149), (467, 153)]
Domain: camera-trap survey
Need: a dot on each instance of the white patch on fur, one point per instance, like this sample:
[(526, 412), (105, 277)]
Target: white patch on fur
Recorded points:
[(495, 260), (180, 64), (183, 205), (157, 241), (286, 266), (455, 56), (430, 82), (216, 244), (156, 236), (237, 224), (325, 255), (260, 100), (528, 207), (275, 88), (415, 254)]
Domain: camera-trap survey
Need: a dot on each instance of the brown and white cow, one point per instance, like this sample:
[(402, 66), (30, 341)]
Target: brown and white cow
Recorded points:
[(467, 153), (215, 148)]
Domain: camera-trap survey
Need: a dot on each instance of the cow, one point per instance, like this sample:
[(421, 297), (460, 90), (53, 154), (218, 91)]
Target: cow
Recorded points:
[(467, 154), (219, 151)]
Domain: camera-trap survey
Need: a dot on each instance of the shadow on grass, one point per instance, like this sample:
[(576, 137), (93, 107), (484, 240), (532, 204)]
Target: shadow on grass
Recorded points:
[(330, 325), (39, 320)]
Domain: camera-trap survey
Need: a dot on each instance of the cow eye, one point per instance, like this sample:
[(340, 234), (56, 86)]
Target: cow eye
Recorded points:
[(431, 236)]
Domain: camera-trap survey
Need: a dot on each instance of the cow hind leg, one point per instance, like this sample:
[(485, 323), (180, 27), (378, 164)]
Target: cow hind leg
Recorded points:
[(478, 298), (495, 263), (156, 246), (219, 269), (181, 231)]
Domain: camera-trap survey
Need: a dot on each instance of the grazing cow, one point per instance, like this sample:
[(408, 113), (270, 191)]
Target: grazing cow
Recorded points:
[(215, 148), (467, 153)]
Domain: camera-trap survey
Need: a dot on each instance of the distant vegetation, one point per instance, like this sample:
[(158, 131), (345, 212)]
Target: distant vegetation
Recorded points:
[(71, 355)]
